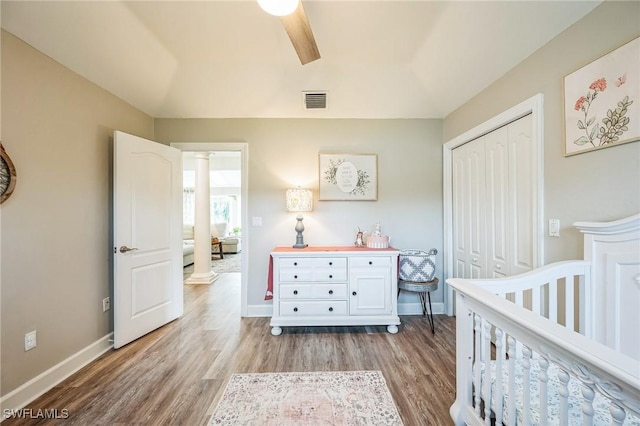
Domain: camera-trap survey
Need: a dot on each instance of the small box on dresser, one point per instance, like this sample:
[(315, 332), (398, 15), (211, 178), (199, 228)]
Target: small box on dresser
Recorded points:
[(334, 286)]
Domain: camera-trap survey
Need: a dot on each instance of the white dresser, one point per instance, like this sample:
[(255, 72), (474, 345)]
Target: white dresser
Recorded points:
[(327, 286)]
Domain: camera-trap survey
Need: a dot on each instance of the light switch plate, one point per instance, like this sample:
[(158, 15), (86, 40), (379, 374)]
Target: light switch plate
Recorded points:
[(554, 227)]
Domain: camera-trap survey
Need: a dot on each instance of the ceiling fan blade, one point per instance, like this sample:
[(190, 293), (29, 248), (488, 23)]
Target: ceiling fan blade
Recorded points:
[(299, 31)]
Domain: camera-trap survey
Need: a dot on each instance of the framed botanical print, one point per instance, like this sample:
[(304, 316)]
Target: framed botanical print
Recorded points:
[(602, 101), (348, 177)]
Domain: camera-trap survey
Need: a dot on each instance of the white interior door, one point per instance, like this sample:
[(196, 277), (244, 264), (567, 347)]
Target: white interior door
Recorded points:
[(468, 210), (147, 236)]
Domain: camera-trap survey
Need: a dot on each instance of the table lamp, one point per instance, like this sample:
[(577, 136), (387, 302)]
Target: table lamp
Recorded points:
[(299, 200)]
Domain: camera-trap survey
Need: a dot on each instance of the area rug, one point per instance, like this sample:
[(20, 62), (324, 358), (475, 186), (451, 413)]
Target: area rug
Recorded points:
[(315, 398), (230, 263)]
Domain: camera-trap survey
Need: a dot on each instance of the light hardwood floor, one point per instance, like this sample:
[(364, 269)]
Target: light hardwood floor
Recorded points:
[(174, 374)]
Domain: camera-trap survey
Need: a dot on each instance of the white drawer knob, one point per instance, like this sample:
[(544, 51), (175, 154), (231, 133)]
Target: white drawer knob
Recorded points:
[(637, 278)]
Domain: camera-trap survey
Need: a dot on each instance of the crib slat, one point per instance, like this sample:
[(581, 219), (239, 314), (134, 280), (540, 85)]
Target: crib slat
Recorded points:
[(526, 385), (563, 376), (519, 299), (500, 356), (553, 301), (617, 414), (511, 389), (544, 382), (477, 365), (486, 356), (536, 300), (588, 396), (570, 302)]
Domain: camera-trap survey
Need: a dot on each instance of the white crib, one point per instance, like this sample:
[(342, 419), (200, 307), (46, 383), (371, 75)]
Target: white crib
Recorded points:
[(557, 345)]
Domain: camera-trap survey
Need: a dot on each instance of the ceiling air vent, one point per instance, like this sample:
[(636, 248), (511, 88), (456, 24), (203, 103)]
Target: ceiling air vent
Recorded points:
[(315, 100)]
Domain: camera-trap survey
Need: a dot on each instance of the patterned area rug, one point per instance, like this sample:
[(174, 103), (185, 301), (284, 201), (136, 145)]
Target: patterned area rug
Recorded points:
[(230, 263), (316, 398)]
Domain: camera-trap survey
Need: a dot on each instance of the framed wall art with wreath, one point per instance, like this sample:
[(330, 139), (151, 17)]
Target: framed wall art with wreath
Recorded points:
[(348, 177)]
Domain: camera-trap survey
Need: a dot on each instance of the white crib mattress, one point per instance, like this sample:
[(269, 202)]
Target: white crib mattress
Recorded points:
[(600, 403)]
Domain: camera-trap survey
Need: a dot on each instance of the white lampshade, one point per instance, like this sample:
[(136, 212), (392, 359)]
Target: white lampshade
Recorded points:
[(299, 200), (279, 7)]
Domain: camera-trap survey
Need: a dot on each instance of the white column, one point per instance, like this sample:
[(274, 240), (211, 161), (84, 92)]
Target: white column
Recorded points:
[(202, 273)]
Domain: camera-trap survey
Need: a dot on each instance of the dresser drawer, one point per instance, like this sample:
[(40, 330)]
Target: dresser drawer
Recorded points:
[(313, 291), (329, 275), (295, 275), (314, 308), (295, 262), (330, 262), (329, 291), (296, 291), (370, 261)]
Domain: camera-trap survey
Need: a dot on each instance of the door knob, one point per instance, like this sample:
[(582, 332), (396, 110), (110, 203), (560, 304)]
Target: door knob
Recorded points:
[(125, 249)]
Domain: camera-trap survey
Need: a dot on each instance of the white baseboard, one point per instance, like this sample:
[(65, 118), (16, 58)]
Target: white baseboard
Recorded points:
[(40, 384), (259, 310), (413, 308)]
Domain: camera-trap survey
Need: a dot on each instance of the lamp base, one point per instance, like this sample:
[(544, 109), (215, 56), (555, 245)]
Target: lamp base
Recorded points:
[(299, 228)]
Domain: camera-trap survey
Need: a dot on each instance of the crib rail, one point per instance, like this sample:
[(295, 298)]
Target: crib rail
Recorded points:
[(495, 337), (553, 291)]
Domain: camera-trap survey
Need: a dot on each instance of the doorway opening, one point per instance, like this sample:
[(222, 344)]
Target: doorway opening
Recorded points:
[(228, 167)]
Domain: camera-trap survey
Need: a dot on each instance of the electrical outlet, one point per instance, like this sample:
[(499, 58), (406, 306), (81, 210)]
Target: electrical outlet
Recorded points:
[(106, 304), (30, 340)]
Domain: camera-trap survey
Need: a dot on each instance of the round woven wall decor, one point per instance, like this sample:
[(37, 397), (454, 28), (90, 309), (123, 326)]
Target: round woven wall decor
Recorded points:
[(7, 175)]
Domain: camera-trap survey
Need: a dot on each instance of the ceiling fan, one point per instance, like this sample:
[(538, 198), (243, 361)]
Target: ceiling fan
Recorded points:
[(295, 22)]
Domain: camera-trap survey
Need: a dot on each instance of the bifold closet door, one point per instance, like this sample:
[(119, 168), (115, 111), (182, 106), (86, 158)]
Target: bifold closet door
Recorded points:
[(493, 201), (469, 229), (521, 196), (497, 202)]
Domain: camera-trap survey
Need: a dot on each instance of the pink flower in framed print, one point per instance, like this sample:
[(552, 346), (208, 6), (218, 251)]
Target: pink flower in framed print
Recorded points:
[(599, 114)]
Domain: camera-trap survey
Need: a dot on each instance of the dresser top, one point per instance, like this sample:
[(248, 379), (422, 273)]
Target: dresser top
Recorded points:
[(332, 249)]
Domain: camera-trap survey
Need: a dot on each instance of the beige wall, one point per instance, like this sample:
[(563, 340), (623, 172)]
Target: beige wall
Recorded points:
[(57, 128), (56, 227), (283, 153), (600, 185)]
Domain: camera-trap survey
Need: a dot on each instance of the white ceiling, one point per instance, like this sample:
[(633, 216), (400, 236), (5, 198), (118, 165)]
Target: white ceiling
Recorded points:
[(219, 59)]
